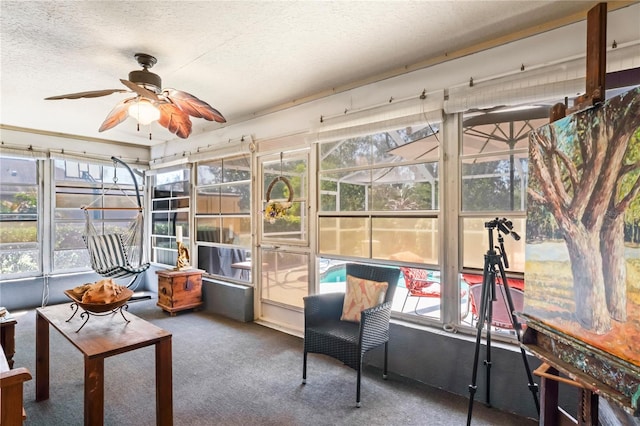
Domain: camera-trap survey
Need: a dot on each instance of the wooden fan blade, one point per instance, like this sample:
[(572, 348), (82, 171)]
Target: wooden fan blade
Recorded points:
[(117, 115), (91, 94), (174, 119), (194, 106), (145, 93)]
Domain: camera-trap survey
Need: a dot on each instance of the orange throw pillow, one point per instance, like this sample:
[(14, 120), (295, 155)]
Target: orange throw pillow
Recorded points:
[(361, 294)]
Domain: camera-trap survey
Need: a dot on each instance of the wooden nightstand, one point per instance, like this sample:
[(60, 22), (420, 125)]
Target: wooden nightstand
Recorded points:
[(179, 290)]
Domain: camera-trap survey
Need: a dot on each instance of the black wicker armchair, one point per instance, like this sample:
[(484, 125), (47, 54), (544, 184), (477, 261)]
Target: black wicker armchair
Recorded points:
[(325, 333)]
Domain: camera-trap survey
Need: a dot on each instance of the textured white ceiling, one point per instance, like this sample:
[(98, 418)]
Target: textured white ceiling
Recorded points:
[(242, 57)]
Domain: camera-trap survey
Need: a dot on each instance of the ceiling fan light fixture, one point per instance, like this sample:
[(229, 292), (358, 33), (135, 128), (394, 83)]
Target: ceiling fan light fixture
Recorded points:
[(144, 111), (147, 79), (144, 77), (171, 108)]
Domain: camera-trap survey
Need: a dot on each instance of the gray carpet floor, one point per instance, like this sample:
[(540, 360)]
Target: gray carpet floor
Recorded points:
[(231, 373)]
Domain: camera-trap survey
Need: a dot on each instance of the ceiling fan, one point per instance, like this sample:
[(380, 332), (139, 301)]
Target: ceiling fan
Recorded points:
[(170, 107)]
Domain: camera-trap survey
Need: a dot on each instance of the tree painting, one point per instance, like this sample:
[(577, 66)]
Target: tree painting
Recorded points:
[(584, 172)]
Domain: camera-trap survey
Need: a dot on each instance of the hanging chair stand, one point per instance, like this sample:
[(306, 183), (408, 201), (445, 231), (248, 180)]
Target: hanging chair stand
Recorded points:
[(113, 255), (108, 252), (133, 178)]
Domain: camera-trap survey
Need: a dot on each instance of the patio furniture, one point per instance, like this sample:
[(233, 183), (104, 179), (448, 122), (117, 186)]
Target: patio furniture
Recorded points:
[(420, 284), (116, 254), (325, 333), (500, 316), (473, 280)]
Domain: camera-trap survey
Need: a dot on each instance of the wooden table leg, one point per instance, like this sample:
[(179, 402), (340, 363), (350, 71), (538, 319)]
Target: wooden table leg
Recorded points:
[(42, 358), (93, 391), (164, 386)]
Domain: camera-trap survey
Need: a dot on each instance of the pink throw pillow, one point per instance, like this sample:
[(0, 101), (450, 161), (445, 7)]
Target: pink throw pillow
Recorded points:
[(361, 294)]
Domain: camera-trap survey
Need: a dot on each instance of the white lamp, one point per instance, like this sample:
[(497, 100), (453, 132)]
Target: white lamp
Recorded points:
[(144, 111)]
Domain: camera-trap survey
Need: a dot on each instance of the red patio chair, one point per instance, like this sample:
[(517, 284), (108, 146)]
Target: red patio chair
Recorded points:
[(476, 279), (500, 316), (419, 284)]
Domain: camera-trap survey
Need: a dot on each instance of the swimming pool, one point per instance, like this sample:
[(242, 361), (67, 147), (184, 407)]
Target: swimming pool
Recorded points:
[(335, 275), (338, 274)]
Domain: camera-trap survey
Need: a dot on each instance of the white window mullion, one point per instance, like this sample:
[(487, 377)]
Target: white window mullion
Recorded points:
[(449, 222), (47, 209)]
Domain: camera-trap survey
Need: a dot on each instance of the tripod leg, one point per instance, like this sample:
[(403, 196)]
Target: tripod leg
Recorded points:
[(533, 387), (482, 315), (487, 361)]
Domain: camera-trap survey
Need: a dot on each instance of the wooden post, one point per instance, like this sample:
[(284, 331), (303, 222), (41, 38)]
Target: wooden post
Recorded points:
[(595, 82), (596, 52), (548, 398), (557, 112)]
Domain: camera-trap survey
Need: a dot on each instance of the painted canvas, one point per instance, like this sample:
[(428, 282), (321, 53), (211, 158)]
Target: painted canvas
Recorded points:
[(582, 265)]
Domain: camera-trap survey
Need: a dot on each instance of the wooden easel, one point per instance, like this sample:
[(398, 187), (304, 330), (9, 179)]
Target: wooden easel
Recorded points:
[(550, 414), (596, 64)]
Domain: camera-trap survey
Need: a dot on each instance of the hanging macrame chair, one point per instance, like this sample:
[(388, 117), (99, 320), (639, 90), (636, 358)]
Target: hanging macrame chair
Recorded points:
[(117, 254)]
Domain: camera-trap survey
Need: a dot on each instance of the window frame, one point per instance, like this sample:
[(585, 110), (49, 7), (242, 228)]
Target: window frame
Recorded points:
[(299, 200), (103, 188), (39, 166), (370, 216), (515, 213), (244, 276), (174, 207)]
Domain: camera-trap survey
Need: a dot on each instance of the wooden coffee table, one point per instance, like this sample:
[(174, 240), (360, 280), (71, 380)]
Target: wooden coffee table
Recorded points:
[(103, 337)]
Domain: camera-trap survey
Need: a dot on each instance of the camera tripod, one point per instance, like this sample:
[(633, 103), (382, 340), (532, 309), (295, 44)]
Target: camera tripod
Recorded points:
[(495, 261)]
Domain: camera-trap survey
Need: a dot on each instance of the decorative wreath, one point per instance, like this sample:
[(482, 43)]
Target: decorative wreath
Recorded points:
[(277, 209)]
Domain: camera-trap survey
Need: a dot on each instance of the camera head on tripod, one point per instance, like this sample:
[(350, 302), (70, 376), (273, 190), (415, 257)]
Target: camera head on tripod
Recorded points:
[(504, 226)]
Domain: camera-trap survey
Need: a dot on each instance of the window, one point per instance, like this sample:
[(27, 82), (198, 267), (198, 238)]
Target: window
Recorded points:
[(379, 199), (284, 181), (494, 168), (20, 249), (223, 217), (169, 209), (79, 184)]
